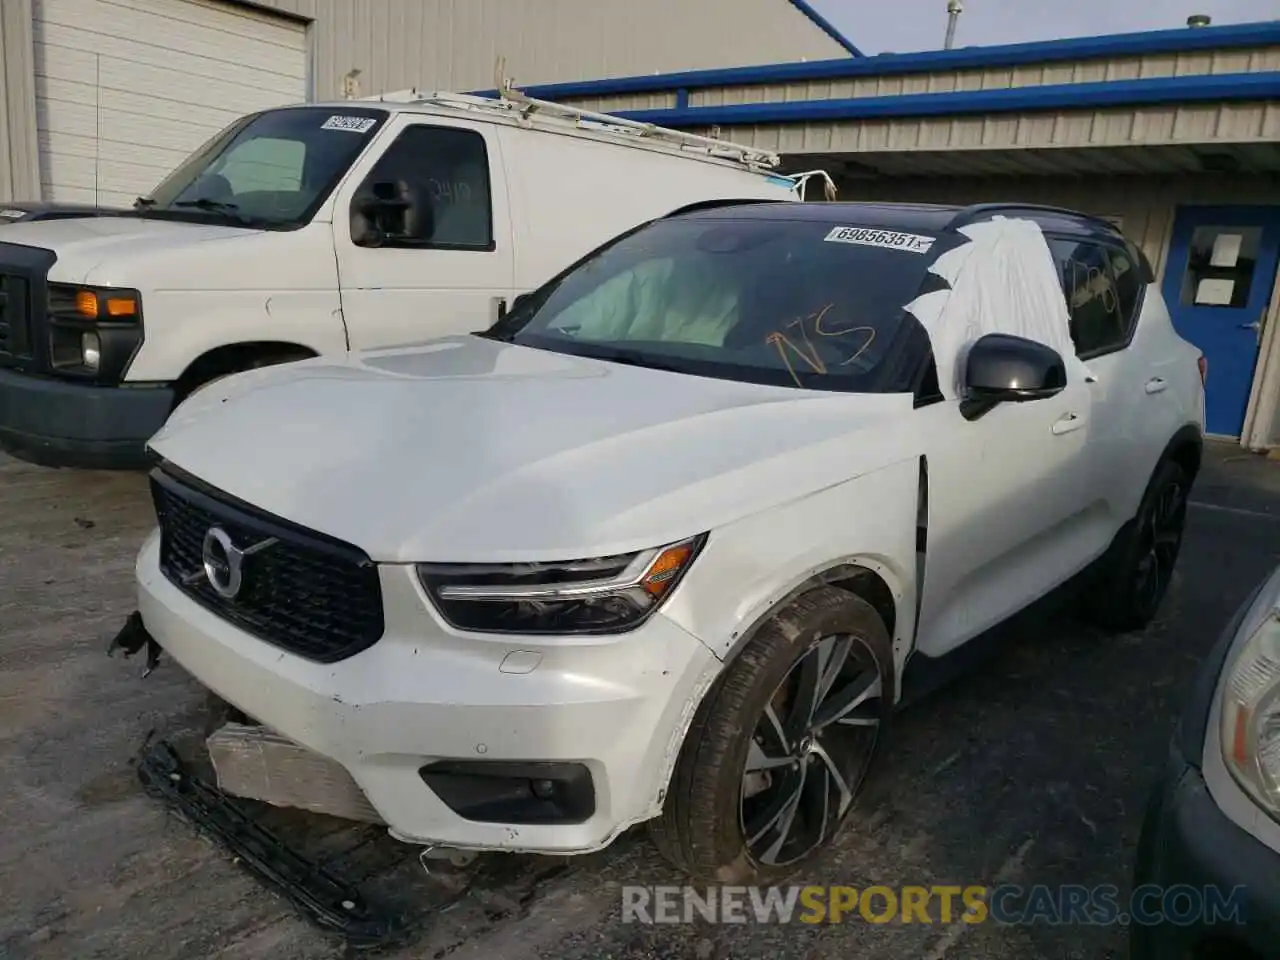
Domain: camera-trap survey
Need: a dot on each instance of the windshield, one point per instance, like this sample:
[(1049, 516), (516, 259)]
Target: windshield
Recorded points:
[(270, 169), (773, 301)]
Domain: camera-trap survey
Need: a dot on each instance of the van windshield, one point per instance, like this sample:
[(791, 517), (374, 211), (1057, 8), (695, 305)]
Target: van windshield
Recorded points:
[(271, 169), (765, 300)]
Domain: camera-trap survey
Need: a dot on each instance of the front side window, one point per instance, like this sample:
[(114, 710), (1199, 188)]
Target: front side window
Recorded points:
[(765, 301), (430, 189), (271, 169), (1102, 287)]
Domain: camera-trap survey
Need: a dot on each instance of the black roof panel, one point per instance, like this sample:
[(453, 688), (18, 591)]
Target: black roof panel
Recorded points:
[(908, 217)]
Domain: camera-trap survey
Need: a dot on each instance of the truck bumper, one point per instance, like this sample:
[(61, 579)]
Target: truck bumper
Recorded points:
[(54, 423)]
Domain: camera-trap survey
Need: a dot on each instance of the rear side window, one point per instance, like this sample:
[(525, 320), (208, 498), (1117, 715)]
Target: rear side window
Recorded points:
[(447, 170), (1103, 290)]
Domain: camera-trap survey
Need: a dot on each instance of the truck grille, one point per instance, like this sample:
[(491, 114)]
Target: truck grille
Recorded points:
[(299, 590), (15, 317)]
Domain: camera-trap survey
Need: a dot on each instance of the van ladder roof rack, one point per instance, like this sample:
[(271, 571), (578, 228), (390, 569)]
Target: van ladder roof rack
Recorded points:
[(513, 102)]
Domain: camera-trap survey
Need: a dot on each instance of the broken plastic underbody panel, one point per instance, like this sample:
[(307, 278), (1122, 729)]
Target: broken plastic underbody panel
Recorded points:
[(329, 902)]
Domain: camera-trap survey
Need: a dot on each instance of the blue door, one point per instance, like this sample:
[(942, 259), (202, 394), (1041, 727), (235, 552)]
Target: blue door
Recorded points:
[(1218, 281)]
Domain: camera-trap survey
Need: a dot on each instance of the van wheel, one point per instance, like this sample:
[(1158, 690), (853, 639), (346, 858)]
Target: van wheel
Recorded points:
[(780, 747), (1134, 576), (209, 378)]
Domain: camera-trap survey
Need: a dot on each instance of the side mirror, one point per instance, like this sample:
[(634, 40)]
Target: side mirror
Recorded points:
[(1002, 368), (391, 211)]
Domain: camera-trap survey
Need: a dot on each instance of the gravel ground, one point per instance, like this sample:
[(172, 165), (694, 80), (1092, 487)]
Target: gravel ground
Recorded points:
[(1031, 770)]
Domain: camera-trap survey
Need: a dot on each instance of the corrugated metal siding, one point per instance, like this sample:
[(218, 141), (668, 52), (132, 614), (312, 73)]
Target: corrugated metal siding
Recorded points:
[(126, 89), (453, 44), (19, 167), (1198, 63), (1117, 127)]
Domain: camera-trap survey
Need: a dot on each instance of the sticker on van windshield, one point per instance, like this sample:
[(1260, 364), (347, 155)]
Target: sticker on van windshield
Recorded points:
[(350, 124), (889, 239)]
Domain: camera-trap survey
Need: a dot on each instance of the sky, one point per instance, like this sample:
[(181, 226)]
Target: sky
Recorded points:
[(901, 26)]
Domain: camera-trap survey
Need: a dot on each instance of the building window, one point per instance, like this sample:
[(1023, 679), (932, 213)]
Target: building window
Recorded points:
[(1102, 289), (1220, 267), (446, 170)]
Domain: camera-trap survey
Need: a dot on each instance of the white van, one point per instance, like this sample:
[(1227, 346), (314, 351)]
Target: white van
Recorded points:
[(321, 229)]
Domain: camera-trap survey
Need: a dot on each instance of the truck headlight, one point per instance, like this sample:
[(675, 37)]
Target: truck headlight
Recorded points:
[(600, 595), (90, 350), (93, 331), (1250, 730)]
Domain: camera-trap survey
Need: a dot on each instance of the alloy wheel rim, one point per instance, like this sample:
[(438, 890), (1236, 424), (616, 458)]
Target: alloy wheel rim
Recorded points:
[(810, 750), (1160, 543)]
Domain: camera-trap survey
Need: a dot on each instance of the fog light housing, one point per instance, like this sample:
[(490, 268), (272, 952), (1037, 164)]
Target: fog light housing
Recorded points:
[(90, 350), (496, 791)]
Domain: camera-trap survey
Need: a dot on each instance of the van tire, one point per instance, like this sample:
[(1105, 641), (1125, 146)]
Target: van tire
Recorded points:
[(240, 365), (702, 828)]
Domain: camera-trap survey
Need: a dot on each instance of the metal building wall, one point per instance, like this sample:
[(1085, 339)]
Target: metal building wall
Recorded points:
[(1172, 124), (19, 168), (452, 44), (1145, 207), (1145, 67)]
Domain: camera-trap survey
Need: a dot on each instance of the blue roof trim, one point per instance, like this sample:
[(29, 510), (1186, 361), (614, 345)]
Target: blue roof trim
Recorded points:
[(1184, 39), (1064, 96), (825, 25)]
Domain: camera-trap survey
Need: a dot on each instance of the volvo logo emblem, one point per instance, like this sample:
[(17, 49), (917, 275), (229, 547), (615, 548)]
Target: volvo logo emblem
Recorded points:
[(223, 562)]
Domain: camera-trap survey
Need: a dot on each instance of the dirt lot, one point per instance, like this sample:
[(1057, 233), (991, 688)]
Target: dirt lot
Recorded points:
[(1033, 770)]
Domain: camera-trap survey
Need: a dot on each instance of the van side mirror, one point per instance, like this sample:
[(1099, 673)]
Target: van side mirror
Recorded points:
[(1002, 368), (390, 211)]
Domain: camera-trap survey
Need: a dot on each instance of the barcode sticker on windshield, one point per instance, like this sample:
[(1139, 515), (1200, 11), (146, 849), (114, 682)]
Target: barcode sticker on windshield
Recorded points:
[(350, 124), (889, 239)]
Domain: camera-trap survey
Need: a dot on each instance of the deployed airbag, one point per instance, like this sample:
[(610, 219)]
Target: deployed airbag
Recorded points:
[(1002, 281)]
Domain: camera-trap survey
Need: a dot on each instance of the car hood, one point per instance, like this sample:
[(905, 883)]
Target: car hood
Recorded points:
[(466, 449), (84, 243)]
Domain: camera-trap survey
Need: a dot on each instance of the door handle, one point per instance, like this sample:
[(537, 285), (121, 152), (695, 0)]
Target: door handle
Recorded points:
[(1255, 326), (1156, 385), (1067, 424)]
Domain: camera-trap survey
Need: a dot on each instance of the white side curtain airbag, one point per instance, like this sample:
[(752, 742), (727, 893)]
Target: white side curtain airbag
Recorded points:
[(1003, 281)]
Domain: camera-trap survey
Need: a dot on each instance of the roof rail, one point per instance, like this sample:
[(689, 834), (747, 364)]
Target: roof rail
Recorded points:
[(511, 102), (982, 211)]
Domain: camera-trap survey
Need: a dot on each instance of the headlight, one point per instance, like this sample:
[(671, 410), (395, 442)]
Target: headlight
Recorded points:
[(594, 596), (102, 304), (93, 331), (90, 350), (1251, 714)]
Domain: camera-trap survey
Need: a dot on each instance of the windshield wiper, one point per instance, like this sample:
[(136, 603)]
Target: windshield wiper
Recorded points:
[(220, 206), (143, 202), (208, 203)]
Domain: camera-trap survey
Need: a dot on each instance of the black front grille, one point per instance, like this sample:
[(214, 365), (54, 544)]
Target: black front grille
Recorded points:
[(306, 593), (15, 317)]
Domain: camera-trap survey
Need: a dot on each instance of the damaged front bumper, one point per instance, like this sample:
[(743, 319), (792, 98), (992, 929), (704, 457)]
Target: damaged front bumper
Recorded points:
[(451, 746), (132, 639)]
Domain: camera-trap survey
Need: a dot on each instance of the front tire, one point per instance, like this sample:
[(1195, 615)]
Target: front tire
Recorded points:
[(781, 745)]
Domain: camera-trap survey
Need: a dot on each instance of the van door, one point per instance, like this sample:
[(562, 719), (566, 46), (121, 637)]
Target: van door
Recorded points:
[(423, 235)]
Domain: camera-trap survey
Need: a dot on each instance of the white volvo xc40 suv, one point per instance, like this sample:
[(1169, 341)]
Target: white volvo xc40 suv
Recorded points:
[(673, 539)]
